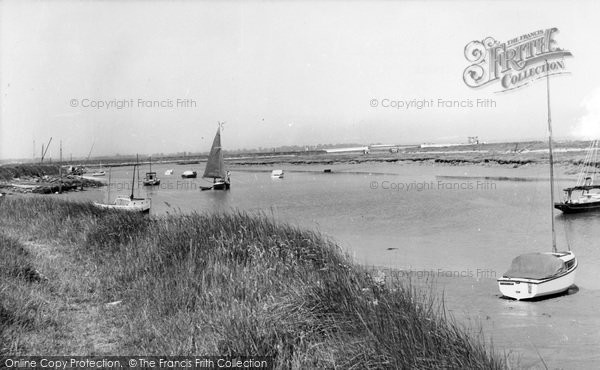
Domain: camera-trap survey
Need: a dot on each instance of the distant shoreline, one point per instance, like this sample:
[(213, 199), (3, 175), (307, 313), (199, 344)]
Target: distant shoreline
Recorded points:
[(507, 154), (45, 175)]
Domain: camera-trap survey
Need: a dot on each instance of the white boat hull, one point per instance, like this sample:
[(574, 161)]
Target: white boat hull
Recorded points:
[(127, 204), (522, 288)]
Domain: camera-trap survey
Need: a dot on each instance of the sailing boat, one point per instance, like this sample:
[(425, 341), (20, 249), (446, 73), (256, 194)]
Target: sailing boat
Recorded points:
[(538, 274), (587, 201), (151, 179), (130, 203), (215, 167)]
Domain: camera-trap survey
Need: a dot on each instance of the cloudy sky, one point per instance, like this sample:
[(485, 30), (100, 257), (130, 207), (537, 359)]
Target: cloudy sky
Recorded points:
[(278, 73)]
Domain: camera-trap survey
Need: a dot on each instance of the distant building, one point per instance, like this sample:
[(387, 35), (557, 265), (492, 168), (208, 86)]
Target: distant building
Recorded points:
[(364, 149)]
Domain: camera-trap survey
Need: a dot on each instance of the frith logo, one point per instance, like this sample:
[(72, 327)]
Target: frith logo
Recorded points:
[(516, 62)]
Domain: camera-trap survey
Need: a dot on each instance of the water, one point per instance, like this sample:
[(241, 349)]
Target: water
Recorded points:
[(404, 216)]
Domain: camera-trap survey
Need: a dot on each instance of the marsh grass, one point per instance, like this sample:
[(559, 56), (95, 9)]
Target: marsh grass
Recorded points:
[(239, 284), (8, 172)]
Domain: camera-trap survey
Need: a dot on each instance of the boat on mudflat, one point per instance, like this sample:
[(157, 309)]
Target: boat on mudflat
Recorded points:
[(538, 274), (534, 275)]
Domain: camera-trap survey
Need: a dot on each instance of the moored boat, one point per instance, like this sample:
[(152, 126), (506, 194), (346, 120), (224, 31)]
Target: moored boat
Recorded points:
[(189, 174), (215, 166), (589, 198), (151, 179), (126, 203), (277, 174), (540, 274)]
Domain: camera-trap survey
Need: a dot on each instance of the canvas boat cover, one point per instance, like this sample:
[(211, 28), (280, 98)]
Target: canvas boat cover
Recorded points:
[(535, 266)]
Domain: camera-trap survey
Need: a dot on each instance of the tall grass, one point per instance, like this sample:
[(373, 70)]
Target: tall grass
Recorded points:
[(21, 307), (236, 284), (8, 172)]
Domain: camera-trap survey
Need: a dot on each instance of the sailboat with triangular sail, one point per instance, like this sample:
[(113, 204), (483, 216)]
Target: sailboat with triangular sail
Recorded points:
[(215, 166), (539, 274)]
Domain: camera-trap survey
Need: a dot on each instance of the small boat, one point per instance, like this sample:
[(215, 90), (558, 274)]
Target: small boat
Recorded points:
[(169, 172), (127, 203), (540, 274), (215, 166), (589, 198), (277, 174), (131, 204), (99, 173), (151, 179), (189, 174)]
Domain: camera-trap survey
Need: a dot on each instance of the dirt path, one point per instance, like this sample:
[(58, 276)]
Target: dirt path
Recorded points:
[(84, 324)]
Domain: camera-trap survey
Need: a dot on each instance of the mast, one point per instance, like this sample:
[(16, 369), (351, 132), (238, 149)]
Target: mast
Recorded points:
[(109, 185), (137, 161), (133, 182), (60, 170), (551, 159)]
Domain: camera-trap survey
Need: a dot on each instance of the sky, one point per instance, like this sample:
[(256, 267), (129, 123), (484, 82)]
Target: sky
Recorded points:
[(277, 73)]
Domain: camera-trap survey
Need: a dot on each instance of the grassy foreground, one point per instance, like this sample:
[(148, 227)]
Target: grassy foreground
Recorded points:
[(80, 281)]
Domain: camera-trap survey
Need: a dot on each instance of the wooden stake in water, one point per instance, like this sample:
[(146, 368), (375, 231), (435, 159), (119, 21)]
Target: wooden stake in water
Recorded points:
[(551, 159)]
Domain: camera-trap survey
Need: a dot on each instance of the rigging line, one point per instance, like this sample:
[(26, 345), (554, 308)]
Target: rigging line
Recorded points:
[(582, 167), (595, 158), (566, 232)]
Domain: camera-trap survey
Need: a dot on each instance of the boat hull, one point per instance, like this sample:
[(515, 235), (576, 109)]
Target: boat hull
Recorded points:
[(189, 175), (578, 207), (221, 186), (523, 288), (151, 182), (134, 205)]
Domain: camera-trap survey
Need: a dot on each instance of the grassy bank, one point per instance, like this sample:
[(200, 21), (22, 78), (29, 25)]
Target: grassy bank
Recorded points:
[(229, 284), (8, 172)]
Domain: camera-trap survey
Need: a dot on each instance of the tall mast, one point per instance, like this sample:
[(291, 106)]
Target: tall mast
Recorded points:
[(133, 181), (109, 185), (551, 159), (60, 169)]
